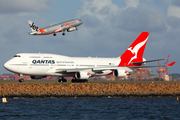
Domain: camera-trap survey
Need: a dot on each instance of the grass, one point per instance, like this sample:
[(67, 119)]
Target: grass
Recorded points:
[(69, 82)]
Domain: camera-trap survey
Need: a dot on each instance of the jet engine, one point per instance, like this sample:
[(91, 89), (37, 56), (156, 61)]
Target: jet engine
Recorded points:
[(71, 29), (82, 75), (120, 73), (37, 77)]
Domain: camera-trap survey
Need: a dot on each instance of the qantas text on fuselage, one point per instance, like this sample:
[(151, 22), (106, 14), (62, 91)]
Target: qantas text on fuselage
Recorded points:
[(68, 26), (39, 65)]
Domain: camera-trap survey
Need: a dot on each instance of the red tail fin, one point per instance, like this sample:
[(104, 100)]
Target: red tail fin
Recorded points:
[(135, 51)]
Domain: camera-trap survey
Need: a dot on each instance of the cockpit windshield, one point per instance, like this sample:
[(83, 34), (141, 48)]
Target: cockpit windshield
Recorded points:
[(17, 56)]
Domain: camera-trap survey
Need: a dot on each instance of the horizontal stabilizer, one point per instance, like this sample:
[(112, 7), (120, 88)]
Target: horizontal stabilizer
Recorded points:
[(147, 61), (171, 64)]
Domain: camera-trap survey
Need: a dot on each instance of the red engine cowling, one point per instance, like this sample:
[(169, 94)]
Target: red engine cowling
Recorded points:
[(120, 73), (71, 29), (82, 75)]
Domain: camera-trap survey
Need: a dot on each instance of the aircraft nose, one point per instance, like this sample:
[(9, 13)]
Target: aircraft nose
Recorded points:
[(81, 22), (6, 65)]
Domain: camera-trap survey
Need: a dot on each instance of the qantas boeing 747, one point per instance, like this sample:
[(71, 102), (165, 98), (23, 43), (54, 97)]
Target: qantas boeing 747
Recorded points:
[(40, 65), (68, 26)]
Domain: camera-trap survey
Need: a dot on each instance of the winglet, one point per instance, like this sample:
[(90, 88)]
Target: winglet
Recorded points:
[(171, 64)]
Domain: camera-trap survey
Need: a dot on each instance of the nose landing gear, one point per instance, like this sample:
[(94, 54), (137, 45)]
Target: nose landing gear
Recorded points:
[(21, 79)]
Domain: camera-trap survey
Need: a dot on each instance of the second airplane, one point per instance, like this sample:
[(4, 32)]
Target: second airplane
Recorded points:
[(68, 26)]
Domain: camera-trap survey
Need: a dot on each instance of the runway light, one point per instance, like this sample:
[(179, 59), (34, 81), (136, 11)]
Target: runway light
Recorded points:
[(177, 98), (4, 100)]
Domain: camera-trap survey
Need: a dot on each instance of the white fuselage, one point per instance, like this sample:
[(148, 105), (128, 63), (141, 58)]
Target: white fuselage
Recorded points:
[(40, 64), (68, 25)]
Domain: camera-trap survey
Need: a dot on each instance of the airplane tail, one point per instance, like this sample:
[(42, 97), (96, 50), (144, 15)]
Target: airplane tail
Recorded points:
[(33, 27), (135, 51)]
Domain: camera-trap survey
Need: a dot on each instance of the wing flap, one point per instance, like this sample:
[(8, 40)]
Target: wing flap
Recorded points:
[(112, 68)]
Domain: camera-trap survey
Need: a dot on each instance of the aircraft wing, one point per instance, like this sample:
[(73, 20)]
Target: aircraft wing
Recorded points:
[(96, 69), (112, 68), (147, 61), (62, 29)]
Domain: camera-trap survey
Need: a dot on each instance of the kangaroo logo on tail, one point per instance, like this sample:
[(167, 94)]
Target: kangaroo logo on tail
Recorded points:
[(135, 50)]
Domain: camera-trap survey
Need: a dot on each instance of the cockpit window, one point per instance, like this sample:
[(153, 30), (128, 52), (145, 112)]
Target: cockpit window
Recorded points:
[(17, 56)]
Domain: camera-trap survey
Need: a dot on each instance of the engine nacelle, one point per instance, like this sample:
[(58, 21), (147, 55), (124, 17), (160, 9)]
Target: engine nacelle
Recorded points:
[(37, 77), (120, 73), (82, 75), (71, 29)]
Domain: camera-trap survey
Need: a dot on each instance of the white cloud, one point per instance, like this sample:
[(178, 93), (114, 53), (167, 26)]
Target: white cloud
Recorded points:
[(111, 28), (97, 8), (107, 29), (132, 3), (21, 14), (173, 11), (15, 6), (108, 18)]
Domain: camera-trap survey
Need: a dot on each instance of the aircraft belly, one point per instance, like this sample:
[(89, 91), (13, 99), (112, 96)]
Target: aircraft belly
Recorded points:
[(35, 70), (50, 31), (106, 72), (60, 74), (20, 70)]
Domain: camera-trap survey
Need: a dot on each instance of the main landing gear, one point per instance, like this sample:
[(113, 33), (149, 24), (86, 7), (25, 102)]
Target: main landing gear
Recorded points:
[(62, 79), (21, 79), (63, 34), (54, 34)]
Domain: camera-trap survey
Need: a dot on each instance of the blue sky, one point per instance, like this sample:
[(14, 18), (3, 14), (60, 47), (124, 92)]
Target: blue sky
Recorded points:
[(109, 27)]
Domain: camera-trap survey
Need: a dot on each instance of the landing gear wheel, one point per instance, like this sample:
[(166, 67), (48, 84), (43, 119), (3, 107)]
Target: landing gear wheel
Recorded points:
[(21, 79), (63, 34), (62, 80), (54, 34)]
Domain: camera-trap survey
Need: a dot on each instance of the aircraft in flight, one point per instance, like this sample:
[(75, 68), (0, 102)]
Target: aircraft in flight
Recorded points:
[(68, 26), (40, 65)]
